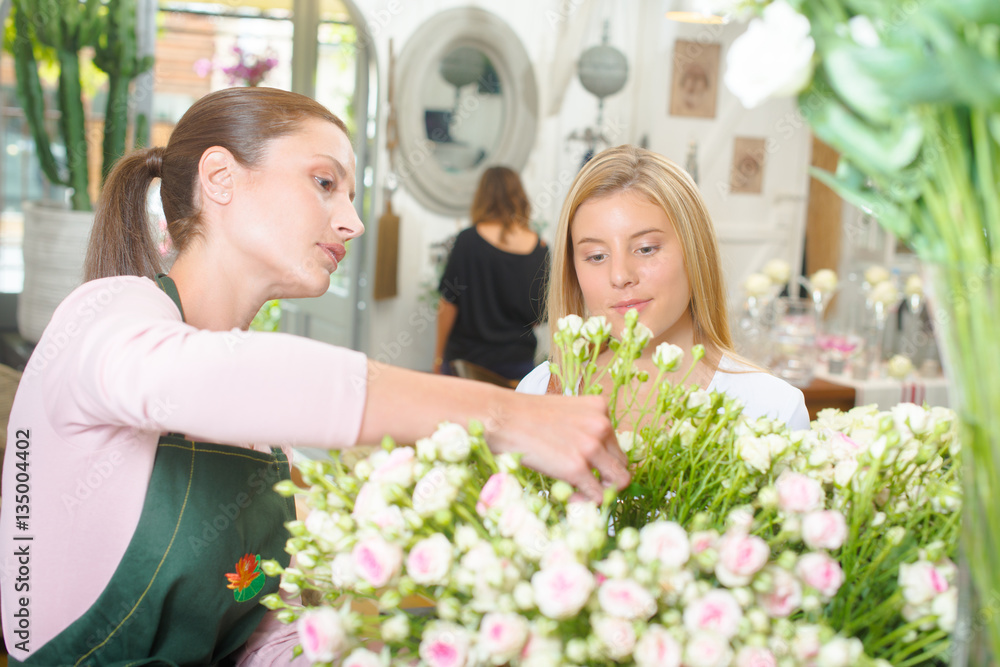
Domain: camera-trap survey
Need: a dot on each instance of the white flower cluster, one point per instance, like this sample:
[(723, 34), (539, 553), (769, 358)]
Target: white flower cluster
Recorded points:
[(736, 543), (522, 578)]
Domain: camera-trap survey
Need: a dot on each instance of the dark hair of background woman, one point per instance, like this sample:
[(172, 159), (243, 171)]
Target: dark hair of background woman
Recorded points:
[(501, 197)]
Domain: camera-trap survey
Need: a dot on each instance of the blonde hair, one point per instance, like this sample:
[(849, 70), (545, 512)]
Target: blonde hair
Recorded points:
[(667, 185)]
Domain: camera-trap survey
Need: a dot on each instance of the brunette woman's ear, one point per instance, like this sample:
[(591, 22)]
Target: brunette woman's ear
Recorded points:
[(215, 175)]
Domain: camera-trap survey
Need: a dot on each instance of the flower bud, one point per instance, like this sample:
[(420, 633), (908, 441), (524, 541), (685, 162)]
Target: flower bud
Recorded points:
[(286, 488), (628, 539), (273, 601), (389, 600), (363, 469), (271, 567), (307, 558), (406, 586), (396, 629), (448, 608), (286, 616), (524, 596), (561, 491), (895, 535), (576, 650)]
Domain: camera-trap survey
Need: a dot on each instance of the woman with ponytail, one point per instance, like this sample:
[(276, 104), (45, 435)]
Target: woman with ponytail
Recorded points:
[(153, 425)]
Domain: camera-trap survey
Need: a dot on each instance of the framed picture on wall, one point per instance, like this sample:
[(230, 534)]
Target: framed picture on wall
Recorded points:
[(695, 83), (747, 175)]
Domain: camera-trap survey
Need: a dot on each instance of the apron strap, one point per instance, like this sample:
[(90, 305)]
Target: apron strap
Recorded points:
[(166, 283)]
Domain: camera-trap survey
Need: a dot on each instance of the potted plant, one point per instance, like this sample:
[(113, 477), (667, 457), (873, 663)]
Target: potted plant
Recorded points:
[(61, 31)]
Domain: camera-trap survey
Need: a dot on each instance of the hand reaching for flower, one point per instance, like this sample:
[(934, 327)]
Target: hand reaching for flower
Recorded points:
[(564, 437), (560, 436)]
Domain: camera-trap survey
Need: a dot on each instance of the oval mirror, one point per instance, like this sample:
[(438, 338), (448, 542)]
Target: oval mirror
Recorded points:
[(467, 100)]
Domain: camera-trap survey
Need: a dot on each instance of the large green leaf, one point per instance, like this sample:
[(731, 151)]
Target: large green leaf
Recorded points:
[(975, 79), (849, 75), (883, 149), (876, 204), (984, 12)]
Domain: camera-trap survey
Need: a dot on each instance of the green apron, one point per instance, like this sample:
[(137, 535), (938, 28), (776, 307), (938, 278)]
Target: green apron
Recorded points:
[(188, 589)]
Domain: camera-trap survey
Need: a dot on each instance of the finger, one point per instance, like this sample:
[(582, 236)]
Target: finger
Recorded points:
[(614, 472), (611, 446), (589, 487)]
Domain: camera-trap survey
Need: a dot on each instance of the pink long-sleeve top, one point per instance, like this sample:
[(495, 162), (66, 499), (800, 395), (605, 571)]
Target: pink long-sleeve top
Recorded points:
[(115, 368)]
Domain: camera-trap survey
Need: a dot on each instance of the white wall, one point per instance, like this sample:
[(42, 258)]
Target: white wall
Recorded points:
[(752, 228)]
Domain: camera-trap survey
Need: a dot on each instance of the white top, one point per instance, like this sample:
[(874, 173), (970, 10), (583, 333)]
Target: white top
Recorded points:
[(762, 394)]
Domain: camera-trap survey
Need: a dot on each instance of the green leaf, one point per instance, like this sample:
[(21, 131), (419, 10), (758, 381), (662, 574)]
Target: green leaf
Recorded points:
[(868, 200), (881, 149), (983, 12), (635, 490), (974, 79), (850, 76)]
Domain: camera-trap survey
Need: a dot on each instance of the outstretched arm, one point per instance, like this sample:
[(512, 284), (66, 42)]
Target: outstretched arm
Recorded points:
[(562, 436)]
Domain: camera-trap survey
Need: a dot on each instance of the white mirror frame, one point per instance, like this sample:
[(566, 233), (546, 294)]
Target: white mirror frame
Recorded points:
[(415, 164)]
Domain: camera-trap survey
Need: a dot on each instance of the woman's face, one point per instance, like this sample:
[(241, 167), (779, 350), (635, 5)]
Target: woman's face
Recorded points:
[(627, 255), (299, 213)]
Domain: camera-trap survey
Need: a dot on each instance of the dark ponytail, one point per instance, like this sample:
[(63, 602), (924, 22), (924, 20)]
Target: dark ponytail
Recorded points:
[(241, 120), (121, 242)]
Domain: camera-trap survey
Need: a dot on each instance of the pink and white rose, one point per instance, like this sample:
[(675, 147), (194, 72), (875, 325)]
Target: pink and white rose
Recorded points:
[(561, 593), (921, 582), (502, 636), (433, 492), (556, 553), (821, 572), (657, 648), (500, 490), (703, 540), (717, 611), (322, 635), (616, 635), (826, 529), (785, 595), (707, 649), (453, 442), (377, 561), (798, 492), (840, 652), (945, 607), (394, 468), (342, 572), (514, 515), (755, 656), (541, 651), (445, 645), (429, 560), (625, 598), (740, 558), (664, 542), (806, 643), (368, 502), (362, 657)]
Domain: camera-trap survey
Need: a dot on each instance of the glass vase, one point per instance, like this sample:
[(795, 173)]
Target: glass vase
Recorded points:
[(966, 314)]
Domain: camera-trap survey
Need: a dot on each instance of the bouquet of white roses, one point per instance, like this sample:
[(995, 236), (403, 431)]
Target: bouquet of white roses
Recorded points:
[(738, 543)]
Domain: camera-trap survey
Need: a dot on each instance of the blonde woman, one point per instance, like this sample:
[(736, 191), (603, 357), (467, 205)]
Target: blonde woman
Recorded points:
[(634, 233)]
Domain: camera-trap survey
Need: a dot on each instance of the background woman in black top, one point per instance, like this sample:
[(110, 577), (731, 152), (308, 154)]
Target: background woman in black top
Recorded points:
[(492, 286)]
